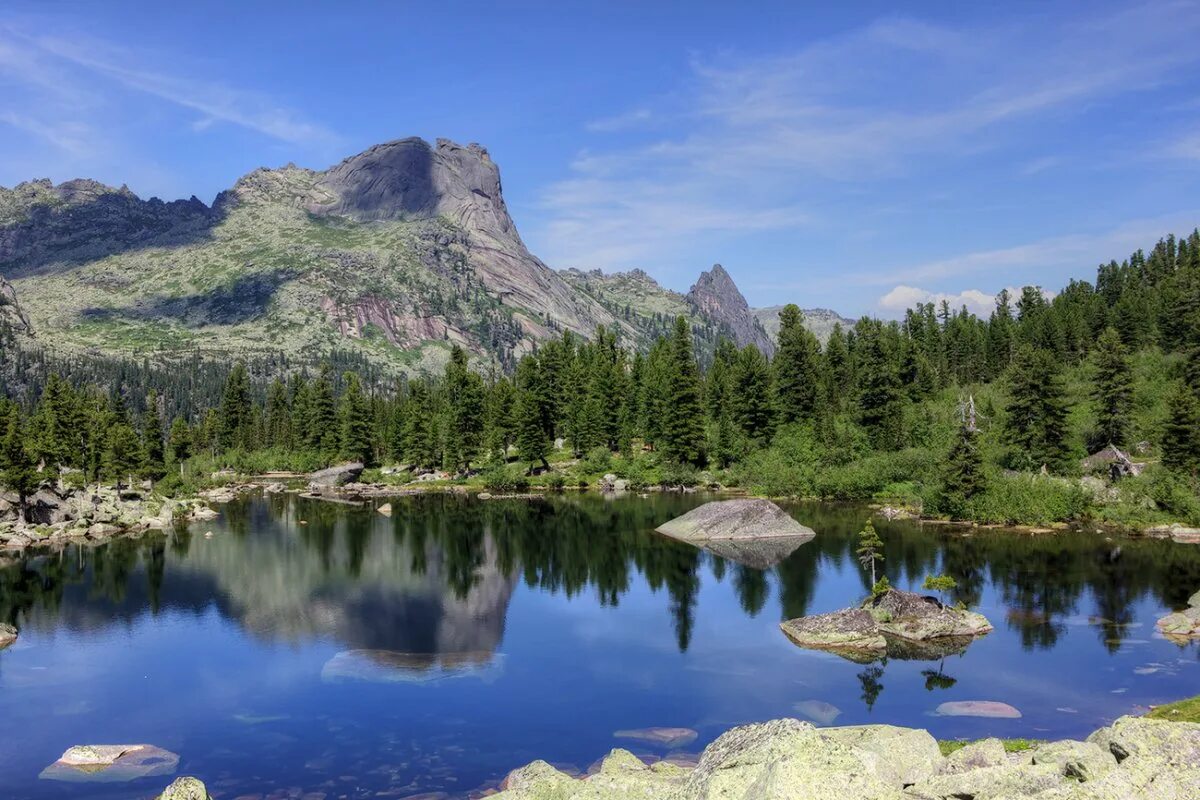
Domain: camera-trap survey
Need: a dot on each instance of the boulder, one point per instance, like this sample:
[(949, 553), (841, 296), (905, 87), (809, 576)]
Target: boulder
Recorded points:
[(8, 635), (976, 755), (185, 789), (111, 763), (1081, 761), (899, 624), (904, 756), (1181, 626), (1004, 782), (45, 507), (735, 519), (337, 475)]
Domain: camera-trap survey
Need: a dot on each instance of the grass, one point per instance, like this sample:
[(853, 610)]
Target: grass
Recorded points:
[(1183, 711), (948, 746)]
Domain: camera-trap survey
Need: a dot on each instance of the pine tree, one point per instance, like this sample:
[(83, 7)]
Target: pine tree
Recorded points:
[(797, 368), (152, 439), (179, 441), (751, 403), (683, 427), (1181, 435), (279, 418), (235, 409), (123, 454), (354, 422), (870, 549), (321, 426), (1114, 388), (464, 398), (1036, 427), (532, 442), (880, 401)]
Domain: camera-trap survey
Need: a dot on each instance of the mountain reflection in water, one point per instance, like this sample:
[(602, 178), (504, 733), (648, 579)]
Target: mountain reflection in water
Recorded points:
[(330, 648)]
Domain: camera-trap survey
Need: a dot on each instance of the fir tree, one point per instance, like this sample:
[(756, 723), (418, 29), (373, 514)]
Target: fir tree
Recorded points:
[(1181, 434), (279, 422), (17, 468), (1036, 427), (123, 454), (964, 477), (880, 402), (354, 422), (179, 441), (750, 401), (1114, 388), (321, 426), (532, 442), (797, 368), (683, 428), (870, 549), (152, 438), (235, 409), (464, 398)]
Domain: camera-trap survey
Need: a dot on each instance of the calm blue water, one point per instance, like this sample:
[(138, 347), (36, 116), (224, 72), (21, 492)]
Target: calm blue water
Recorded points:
[(518, 630)]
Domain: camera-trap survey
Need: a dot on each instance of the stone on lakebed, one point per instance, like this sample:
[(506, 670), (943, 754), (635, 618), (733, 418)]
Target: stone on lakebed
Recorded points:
[(991, 709), (665, 737), (111, 763)]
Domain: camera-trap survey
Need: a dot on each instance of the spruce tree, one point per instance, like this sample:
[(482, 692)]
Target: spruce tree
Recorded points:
[(870, 549), (17, 468), (1181, 434), (750, 402), (235, 409), (532, 442), (152, 439), (123, 454), (683, 427), (179, 441), (464, 397), (322, 432), (1036, 426), (279, 421), (354, 422), (1114, 388), (880, 400), (963, 477), (797, 368)]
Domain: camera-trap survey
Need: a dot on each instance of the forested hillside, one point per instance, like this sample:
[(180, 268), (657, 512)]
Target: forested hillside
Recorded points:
[(983, 419)]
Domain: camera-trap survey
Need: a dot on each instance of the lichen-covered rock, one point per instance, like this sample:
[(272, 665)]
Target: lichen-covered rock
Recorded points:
[(338, 475), (783, 760), (109, 763), (1003, 782), (976, 755), (1082, 761), (185, 789), (904, 755), (913, 616), (1182, 625), (852, 633)]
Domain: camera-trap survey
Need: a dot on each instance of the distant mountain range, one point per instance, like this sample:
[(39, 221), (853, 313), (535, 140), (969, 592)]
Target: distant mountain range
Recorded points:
[(395, 253)]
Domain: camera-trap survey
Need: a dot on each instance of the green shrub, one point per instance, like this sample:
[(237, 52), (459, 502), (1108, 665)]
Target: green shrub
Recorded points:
[(1028, 499), (1168, 491), (556, 481), (679, 475), (597, 461), (504, 480)]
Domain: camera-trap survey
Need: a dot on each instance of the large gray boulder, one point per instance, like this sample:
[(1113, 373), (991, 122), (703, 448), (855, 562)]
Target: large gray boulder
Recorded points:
[(851, 633), (338, 475), (8, 635), (744, 519), (111, 763)]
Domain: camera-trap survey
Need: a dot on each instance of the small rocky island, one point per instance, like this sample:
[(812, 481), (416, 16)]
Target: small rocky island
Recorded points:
[(753, 532), (1182, 627), (895, 623)]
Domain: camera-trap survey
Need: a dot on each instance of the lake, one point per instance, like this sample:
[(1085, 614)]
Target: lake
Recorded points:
[(308, 649)]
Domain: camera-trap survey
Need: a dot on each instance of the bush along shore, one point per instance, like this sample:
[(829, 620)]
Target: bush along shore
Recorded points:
[(1149, 758)]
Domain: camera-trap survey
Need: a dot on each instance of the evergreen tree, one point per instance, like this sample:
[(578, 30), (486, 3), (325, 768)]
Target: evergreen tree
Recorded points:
[(532, 442), (152, 438), (1114, 388), (17, 468), (464, 398), (179, 441), (1036, 427), (797, 368), (1181, 434), (235, 409), (683, 428), (870, 549), (354, 422), (278, 432), (750, 401), (321, 426), (123, 454), (880, 401), (964, 477)]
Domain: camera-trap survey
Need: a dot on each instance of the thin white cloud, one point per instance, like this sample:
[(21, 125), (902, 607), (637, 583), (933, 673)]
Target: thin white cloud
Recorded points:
[(978, 302), (840, 116)]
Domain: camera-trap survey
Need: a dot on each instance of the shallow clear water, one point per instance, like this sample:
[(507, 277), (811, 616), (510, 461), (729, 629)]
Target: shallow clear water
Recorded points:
[(533, 629)]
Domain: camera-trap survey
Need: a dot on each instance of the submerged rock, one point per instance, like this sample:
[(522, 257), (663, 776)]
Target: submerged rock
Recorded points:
[(819, 711), (111, 763), (389, 666), (670, 738), (897, 624), (977, 708), (1182, 626), (735, 519)]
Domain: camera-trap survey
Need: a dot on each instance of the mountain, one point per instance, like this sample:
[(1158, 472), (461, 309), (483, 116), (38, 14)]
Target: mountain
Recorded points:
[(393, 254), (818, 320)]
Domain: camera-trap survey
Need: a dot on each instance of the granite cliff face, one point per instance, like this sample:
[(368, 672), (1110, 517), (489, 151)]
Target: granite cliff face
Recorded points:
[(395, 253), (819, 321), (715, 295)]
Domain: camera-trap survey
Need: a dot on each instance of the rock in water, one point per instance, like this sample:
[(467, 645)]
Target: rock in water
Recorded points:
[(978, 708), (819, 711), (670, 738), (111, 763), (851, 633), (185, 789), (8, 635), (739, 520), (338, 475), (1182, 626)]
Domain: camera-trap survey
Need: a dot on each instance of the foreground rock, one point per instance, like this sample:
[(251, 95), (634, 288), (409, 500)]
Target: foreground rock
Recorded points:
[(111, 763), (1182, 626), (897, 624), (8, 635), (185, 789), (791, 760)]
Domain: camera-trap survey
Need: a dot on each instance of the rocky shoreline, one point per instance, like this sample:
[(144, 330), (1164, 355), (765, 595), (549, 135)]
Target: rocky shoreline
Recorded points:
[(787, 759)]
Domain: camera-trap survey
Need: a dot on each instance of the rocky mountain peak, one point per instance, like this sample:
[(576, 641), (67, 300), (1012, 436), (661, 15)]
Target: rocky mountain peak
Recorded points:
[(718, 297)]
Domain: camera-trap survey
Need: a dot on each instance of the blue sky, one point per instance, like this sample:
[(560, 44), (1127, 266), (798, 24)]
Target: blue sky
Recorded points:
[(858, 157)]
